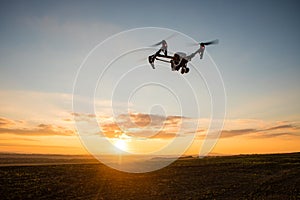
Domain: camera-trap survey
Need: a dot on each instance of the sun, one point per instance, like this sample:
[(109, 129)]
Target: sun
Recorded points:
[(120, 144)]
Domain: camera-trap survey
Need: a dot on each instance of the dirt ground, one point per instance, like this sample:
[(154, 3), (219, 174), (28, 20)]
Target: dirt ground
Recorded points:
[(274, 176)]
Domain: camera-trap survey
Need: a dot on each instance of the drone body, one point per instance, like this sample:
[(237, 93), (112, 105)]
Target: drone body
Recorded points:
[(179, 60)]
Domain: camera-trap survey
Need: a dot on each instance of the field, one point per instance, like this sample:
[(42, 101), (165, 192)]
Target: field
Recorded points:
[(274, 176)]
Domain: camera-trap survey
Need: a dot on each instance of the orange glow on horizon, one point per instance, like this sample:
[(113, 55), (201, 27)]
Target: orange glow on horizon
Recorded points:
[(240, 136)]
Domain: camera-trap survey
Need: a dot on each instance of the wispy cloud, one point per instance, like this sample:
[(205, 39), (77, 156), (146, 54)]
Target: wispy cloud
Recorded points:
[(8, 126), (165, 127), (288, 129), (138, 125), (143, 125), (149, 126), (4, 122), (286, 126), (273, 135), (239, 132)]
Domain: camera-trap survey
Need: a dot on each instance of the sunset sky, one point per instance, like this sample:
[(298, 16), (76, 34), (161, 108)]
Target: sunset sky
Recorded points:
[(43, 44)]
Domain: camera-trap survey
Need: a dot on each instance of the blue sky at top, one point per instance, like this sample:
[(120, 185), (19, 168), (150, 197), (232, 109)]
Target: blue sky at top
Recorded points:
[(44, 42)]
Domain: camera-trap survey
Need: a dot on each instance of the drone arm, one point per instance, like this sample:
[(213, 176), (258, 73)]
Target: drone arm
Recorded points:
[(201, 52), (158, 52), (191, 56), (163, 60), (164, 56)]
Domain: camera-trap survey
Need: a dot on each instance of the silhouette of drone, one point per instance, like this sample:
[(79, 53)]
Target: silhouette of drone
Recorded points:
[(179, 60)]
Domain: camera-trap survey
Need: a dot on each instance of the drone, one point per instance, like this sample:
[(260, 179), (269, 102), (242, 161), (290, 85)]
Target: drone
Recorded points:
[(180, 59)]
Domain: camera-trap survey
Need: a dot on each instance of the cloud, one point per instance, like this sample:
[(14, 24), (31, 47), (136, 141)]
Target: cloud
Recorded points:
[(4, 122), (83, 116), (165, 127), (40, 130), (140, 120), (17, 127), (272, 135), (289, 128), (150, 126), (36, 145), (281, 127), (18, 139), (239, 132), (142, 125)]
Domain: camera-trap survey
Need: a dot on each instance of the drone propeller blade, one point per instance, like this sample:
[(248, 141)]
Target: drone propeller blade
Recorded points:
[(171, 36), (204, 43), (167, 38), (211, 42), (157, 44), (192, 44)]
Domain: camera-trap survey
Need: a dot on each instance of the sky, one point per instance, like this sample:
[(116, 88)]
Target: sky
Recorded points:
[(44, 43)]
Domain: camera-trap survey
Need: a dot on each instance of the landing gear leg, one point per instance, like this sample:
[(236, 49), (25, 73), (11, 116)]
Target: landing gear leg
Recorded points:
[(172, 65), (151, 60)]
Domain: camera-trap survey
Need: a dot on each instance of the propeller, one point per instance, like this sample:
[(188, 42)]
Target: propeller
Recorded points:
[(157, 44), (164, 40), (192, 44), (204, 43), (209, 43)]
